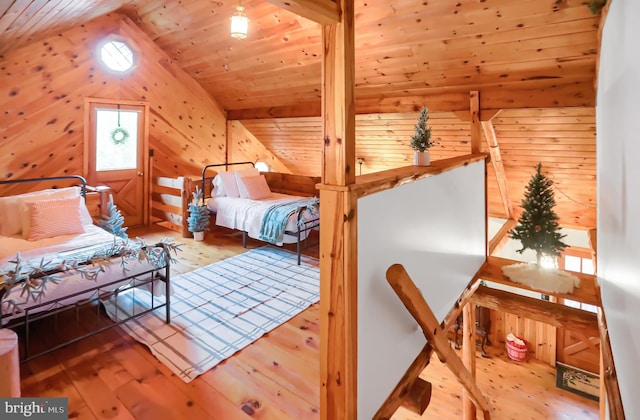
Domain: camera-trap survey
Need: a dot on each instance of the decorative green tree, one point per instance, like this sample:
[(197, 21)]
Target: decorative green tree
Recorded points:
[(198, 220), (114, 220), (537, 227), (421, 139)]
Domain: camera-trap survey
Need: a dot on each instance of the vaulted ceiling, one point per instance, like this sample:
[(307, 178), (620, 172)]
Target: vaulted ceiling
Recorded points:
[(526, 54)]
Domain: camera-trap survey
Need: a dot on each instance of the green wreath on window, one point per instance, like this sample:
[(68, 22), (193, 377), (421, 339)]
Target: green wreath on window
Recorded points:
[(119, 135)]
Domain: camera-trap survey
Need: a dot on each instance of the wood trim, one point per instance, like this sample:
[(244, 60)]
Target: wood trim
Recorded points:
[(392, 178), (324, 12), (551, 313), (419, 309), (614, 399), (498, 167)]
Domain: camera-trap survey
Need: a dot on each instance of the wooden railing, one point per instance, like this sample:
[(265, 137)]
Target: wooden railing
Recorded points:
[(437, 340)]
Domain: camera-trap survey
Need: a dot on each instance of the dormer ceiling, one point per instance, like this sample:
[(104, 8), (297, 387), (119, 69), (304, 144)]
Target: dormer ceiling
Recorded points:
[(532, 61), (527, 53)]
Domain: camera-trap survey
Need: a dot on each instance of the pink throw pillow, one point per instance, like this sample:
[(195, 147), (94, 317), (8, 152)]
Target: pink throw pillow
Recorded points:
[(55, 217), (256, 187)]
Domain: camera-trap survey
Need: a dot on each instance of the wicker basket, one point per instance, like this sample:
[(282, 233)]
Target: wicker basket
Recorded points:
[(515, 351)]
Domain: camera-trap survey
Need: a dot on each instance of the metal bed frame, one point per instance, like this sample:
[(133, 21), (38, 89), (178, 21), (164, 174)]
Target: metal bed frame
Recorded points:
[(303, 227), (85, 306)]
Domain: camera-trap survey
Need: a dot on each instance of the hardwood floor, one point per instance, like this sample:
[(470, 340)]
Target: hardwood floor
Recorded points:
[(110, 375)]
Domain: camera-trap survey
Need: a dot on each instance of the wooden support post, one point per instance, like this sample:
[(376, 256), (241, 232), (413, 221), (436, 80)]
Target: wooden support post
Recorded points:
[(9, 364), (476, 127), (338, 217), (410, 387), (469, 356), (413, 300), (538, 310)]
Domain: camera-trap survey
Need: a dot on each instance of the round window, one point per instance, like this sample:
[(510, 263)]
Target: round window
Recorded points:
[(117, 56)]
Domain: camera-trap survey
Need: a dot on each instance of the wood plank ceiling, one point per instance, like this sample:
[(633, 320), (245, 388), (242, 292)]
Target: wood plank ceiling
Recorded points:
[(533, 59)]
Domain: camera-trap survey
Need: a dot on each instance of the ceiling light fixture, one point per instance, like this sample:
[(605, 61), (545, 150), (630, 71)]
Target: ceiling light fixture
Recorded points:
[(239, 23)]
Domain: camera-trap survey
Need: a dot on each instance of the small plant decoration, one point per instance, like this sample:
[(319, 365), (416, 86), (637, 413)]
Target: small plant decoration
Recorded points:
[(198, 220), (114, 220), (595, 6), (119, 135), (537, 227), (421, 139)]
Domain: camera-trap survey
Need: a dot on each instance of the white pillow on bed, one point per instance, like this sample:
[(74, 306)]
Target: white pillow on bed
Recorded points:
[(256, 187), (243, 173), (12, 210), (229, 184), (54, 217)]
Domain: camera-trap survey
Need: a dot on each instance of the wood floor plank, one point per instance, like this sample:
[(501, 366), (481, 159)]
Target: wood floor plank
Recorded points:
[(288, 371), (112, 375), (258, 396)]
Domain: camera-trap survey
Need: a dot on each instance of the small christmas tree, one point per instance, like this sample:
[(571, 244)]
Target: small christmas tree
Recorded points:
[(198, 220), (421, 139), (114, 220), (537, 227)]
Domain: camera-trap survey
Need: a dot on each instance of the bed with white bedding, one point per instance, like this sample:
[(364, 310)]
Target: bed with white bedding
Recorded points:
[(44, 274), (241, 199)]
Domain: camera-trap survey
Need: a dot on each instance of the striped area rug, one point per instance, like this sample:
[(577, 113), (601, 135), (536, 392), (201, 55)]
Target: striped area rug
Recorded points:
[(221, 308)]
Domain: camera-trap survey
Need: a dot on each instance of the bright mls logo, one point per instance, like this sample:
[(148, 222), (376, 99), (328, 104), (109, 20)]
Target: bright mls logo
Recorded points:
[(34, 408)]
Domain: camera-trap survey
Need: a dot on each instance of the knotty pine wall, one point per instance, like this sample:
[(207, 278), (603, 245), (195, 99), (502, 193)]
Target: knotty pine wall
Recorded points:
[(243, 146), (563, 139), (44, 84), (540, 337)]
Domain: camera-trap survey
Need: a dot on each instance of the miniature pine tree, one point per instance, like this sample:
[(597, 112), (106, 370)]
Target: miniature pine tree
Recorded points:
[(198, 220), (114, 220), (421, 139), (537, 227)]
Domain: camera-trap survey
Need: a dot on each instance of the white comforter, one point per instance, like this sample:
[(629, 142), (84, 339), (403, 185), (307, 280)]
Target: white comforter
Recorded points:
[(245, 214), (67, 248), (57, 248)]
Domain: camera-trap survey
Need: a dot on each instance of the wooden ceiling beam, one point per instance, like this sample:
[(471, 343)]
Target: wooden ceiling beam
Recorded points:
[(324, 12), (492, 101), (550, 313)]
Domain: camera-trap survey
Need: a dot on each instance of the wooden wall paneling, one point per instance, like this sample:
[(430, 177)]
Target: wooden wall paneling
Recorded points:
[(244, 146), (540, 54), (42, 128), (296, 142)]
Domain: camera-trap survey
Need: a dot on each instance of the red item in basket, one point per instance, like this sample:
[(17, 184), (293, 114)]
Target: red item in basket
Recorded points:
[(516, 348)]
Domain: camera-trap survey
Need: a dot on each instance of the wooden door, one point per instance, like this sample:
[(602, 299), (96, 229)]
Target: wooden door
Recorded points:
[(579, 350), (116, 155)]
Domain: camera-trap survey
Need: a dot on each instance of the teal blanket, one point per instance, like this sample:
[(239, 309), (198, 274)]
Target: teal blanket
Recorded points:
[(276, 217)]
